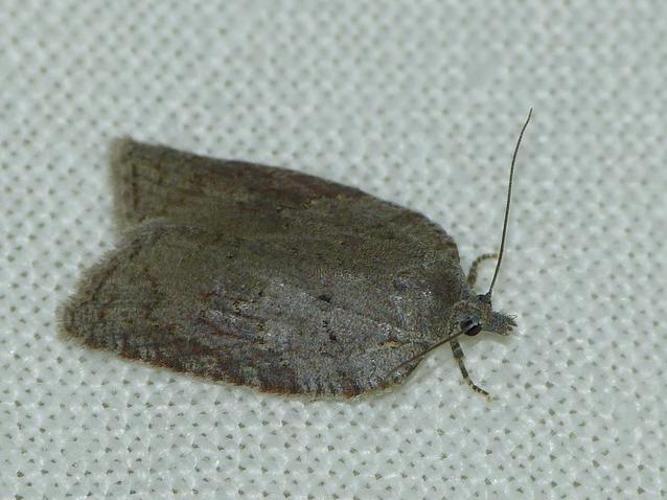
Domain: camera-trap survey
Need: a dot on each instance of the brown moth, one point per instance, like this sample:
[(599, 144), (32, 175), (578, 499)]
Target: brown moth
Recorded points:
[(274, 279)]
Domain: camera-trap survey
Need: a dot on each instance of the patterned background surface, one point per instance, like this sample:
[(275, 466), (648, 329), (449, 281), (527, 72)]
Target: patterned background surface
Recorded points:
[(419, 103)]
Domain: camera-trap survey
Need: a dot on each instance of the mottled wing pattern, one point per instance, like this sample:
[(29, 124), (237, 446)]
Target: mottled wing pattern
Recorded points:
[(155, 181), (313, 288)]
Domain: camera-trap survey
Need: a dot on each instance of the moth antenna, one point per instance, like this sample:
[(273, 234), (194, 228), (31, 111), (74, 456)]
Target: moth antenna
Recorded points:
[(507, 206)]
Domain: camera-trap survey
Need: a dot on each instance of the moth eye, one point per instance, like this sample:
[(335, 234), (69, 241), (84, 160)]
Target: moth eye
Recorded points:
[(470, 327)]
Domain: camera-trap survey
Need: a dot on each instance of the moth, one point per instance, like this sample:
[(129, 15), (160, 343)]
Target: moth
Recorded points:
[(274, 279)]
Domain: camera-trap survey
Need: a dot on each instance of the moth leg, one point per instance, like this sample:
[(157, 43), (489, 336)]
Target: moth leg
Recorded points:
[(458, 355), (474, 267)]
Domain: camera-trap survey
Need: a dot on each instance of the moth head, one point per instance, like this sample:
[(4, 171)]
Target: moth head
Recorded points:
[(476, 315)]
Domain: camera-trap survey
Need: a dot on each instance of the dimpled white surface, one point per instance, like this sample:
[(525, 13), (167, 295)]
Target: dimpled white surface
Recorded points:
[(419, 103)]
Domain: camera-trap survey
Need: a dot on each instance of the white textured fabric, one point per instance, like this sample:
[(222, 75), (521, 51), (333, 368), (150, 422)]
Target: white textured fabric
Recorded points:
[(419, 103)]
